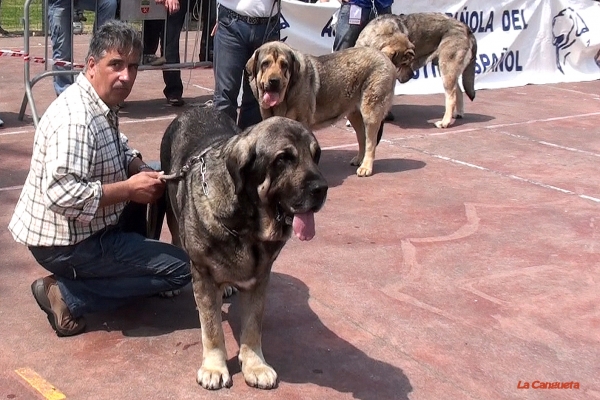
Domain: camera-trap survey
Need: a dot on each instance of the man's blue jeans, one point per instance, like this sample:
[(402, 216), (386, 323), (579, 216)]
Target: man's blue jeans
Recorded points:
[(61, 26), (346, 34), (112, 267), (235, 42)]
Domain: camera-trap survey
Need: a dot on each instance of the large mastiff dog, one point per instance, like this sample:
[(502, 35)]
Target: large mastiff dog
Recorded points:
[(317, 91), (437, 38), (233, 200)]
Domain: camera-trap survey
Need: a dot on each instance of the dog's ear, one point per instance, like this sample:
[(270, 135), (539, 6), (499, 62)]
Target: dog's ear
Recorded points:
[(252, 65), (240, 161), (294, 68), (580, 26), (315, 150), (408, 57)]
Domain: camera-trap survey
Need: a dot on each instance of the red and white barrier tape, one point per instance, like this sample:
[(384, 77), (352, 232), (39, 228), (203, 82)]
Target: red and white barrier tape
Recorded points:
[(40, 60)]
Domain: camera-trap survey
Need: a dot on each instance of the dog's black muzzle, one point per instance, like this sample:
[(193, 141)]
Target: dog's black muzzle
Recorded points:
[(317, 190), (273, 85)]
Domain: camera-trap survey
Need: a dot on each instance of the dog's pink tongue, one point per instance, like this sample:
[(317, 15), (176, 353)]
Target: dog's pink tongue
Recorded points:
[(304, 225), (271, 98)]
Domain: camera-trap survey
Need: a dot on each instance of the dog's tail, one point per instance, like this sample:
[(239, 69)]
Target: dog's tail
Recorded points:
[(468, 75)]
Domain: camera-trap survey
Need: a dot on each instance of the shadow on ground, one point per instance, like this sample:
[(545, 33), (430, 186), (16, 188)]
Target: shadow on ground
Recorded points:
[(303, 350), (295, 341), (335, 165), (419, 116)]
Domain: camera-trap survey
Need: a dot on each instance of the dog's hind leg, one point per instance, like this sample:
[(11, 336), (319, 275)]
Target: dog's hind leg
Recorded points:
[(356, 120), (257, 372), (380, 131), (366, 167), (452, 61), (460, 105), (450, 89), (373, 109)]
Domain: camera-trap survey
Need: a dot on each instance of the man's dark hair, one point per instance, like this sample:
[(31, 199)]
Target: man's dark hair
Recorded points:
[(117, 36)]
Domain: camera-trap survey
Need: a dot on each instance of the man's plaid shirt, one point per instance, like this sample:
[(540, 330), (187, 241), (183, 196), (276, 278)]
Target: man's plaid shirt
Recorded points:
[(77, 149)]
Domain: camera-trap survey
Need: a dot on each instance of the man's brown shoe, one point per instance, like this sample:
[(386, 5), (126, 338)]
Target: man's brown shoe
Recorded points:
[(47, 294)]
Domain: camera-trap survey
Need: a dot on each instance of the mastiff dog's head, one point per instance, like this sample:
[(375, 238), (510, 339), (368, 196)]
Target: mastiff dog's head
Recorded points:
[(276, 163), (273, 70), (384, 35)]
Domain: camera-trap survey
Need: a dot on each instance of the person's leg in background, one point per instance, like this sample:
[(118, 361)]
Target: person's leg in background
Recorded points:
[(152, 31), (107, 10), (173, 86), (208, 15), (249, 109), (61, 26), (232, 43), (346, 33), (59, 19)]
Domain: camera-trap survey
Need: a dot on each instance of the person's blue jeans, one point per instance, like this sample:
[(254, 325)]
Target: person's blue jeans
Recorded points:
[(347, 34), (61, 26), (111, 268), (234, 43)]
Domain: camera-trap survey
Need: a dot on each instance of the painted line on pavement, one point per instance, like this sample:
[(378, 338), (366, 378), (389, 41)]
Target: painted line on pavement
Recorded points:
[(549, 144), (445, 132), (46, 389), (17, 132), (511, 176), (9, 188), (498, 126)]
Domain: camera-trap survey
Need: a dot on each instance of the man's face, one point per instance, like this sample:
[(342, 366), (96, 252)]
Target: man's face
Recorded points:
[(113, 76)]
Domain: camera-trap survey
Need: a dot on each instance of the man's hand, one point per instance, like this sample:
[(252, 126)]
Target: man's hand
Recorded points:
[(172, 6), (146, 186)]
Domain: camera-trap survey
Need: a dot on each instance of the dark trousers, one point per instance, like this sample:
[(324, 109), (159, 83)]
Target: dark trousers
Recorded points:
[(154, 34), (114, 266), (208, 19), (347, 34)]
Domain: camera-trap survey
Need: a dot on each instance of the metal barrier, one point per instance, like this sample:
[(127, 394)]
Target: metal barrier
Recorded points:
[(76, 69)]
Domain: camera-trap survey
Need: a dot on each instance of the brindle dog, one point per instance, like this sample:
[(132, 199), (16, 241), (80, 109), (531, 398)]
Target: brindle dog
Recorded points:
[(233, 200), (317, 91), (437, 38)]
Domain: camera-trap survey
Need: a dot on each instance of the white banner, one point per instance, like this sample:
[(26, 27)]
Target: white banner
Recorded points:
[(519, 42)]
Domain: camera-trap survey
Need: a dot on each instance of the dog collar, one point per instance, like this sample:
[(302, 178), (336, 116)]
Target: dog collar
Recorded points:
[(186, 168)]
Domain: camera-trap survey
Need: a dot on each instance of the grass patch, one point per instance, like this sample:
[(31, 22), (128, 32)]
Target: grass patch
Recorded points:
[(11, 16)]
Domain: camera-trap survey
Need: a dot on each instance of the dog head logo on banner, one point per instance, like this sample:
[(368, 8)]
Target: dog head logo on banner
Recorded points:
[(567, 28), (283, 24)]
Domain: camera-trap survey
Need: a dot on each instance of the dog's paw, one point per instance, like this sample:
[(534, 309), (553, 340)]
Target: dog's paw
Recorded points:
[(444, 124), (214, 378), (363, 171), (260, 376)]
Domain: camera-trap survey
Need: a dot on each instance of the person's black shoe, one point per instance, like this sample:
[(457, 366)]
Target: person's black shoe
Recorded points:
[(175, 101), (47, 294)]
